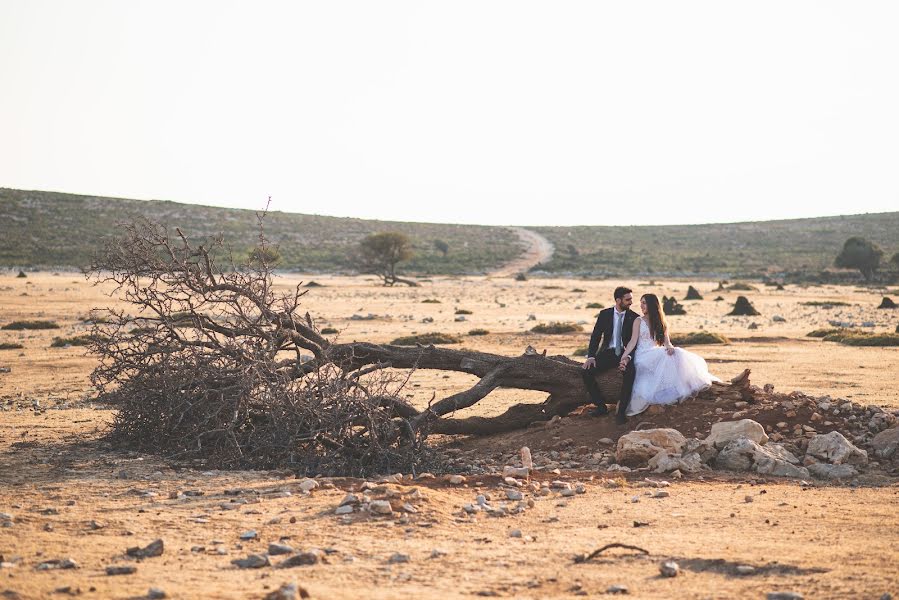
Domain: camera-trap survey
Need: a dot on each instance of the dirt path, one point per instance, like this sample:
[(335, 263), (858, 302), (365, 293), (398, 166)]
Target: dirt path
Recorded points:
[(538, 250)]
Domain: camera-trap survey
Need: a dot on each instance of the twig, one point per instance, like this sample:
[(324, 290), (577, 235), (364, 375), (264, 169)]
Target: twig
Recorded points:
[(581, 558)]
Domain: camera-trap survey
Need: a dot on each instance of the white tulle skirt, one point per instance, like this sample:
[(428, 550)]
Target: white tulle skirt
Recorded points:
[(663, 378)]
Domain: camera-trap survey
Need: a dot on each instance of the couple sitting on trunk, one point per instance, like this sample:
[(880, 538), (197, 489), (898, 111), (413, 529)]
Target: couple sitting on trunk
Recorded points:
[(655, 372)]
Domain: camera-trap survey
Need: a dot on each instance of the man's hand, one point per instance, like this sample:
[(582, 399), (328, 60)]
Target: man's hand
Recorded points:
[(625, 360), (590, 362)]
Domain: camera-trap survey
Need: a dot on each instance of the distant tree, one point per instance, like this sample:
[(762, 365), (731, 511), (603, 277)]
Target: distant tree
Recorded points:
[(379, 253), (573, 252), (441, 247), (859, 253)]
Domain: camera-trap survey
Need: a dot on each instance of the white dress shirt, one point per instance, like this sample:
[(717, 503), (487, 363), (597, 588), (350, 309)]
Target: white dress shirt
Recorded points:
[(617, 324)]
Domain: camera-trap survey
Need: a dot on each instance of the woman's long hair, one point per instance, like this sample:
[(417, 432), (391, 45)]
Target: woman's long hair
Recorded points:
[(657, 325)]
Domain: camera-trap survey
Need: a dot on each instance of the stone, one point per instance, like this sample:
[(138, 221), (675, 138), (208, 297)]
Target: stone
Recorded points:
[(744, 569), (637, 447), (154, 548), (288, 591), (783, 596), (307, 485), (514, 495), (516, 472), (398, 557), (661, 494), (827, 471), (349, 499), (57, 563), (380, 507), (617, 589), (669, 568), (664, 462), (155, 593), (121, 569), (835, 448), (725, 432), (346, 509), (438, 553), (301, 559), (274, 549), (253, 561), (886, 443), (744, 454), (455, 479), (249, 535), (515, 533)]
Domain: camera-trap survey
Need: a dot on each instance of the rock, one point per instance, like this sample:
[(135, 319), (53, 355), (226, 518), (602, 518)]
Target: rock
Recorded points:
[(288, 591), (516, 472), (778, 319), (514, 495), (725, 432), (274, 549), (349, 499), (253, 561), (526, 460), (836, 449), (637, 447), (783, 596), (438, 553), (617, 589), (154, 548), (826, 471), (515, 533), (661, 494), (744, 569), (249, 535), (664, 462), (567, 492), (669, 569), (606, 441), (744, 454), (455, 479), (155, 593), (743, 307), (121, 570), (57, 563), (398, 557), (380, 507), (301, 559), (307, 485), (346, 509), (886, 443)]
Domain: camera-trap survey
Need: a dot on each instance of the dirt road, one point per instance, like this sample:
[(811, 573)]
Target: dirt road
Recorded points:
[(538, 250)]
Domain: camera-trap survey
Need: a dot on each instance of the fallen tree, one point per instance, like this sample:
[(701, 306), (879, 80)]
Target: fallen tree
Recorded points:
[(212, 363)]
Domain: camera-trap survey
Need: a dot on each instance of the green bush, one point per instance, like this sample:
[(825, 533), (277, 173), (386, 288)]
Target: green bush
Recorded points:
[(18, 325), (426, 338), (698, 337), (478, 332), (594, 305), (462, 311), (78, 340), (556, 328), (11, 346)]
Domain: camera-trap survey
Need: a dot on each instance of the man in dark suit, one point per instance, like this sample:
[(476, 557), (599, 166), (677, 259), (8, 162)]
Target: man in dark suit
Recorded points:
[(611, 335)]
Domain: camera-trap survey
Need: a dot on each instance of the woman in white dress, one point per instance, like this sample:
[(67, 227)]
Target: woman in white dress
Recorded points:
[(664, 374)]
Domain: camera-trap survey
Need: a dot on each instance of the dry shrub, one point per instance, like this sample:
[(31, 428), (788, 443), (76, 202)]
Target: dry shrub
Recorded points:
[(220, 367), (698, 337), (556, 328), (20, 325), (10, 346), (478, 332), (864, 339), (78, 340), (426, 338)]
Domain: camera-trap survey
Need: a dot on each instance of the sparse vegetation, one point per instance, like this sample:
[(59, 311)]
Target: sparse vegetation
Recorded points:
[(578, 291), (521, 277), (22, 275), (329, 330), (430, 301), (693, 294), (825, 303), (581, 351), (20, 325), (463, 311), (594, 305), (78, 340), (741, 287), (743, 307), (864, 339), (556, 328), (441, 247), (10, 346), (435, 338), (887, 302), (478, 332), (694, 338), (670, 306), (822, 333)]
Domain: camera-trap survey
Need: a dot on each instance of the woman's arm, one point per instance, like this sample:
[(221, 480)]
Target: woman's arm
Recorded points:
[(626, 355), (668, 345)]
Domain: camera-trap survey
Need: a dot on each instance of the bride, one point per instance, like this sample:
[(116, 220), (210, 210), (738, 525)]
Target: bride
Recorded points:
[(664, 374)]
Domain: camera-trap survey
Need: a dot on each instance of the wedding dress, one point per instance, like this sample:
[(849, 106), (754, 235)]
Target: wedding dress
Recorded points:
[(663, 378)]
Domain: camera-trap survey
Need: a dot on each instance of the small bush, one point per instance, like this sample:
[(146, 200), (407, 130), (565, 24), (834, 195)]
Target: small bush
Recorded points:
[(551, 287), (11, 346), (329, 330), (22, 274), (582, 351), (594, 305), (426, 338), (313, 284), (521, 277), (478, 332), (430, 301), (18, 325), (462, 311), (78, 340), (824, 304), (556, 328), (577, 291), (742, 287), (698, 337), (867, 339), (821, 333)]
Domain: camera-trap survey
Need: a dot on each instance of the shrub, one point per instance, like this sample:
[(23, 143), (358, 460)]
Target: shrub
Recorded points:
[(329, 330), (78, 340), (859, 253), (430, 301), (551, 287), (824, 303), (594, 305), (582, 351), (867, 339), (313, 284), (577, 291), (743, 307), (557, 328), (521, 277), (22, 274), (742, 287), (425, 339), (462, 311), (698, 337), (820, 333), (693, 294), (10, 346), (18, 325), (478, 332)]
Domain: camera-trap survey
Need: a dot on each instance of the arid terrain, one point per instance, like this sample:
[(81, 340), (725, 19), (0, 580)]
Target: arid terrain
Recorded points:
[(65, 494)]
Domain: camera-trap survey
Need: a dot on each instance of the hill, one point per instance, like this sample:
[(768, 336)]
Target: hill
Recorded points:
[(48, 229), (802, 247)]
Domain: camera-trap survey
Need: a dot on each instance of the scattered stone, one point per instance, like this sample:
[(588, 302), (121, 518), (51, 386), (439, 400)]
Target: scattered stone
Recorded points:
[(455, 479), (249, 535), (57, 563), (514, 495), (744, 454), (826, 471), (744, 569), (438, 553), (253, 561), (380, 507), (783, 596), (515, 533), (886, 443), (121, 570), (669, 569), (661, 494), (349, 499), (155, 593), (154, 548), (398, 557), (343, 510), (302, 559), (307, 485), (617, 589), (288, 591), (275, 549), (637, 447), (516, 472), (835, 448), (725, 432)]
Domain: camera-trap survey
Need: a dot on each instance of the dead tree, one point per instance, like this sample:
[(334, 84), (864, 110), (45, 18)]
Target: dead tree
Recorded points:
[(210, 362)]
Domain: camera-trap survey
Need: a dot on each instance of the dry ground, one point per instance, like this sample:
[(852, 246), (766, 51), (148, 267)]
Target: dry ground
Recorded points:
[(825, 541)]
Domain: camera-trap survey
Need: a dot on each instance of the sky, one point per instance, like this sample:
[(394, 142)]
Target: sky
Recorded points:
[(491, 112)]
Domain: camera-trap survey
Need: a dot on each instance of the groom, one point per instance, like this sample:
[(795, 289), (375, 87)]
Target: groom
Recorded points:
[(614, 327)]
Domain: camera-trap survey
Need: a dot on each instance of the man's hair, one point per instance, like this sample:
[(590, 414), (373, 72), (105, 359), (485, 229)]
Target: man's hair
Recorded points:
[(621, 291)]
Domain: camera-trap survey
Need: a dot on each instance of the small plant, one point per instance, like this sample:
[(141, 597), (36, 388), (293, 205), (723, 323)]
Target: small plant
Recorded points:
[(22, 275), (551, 287), (577, 291), (19, 325), (426, 339), (329, 330), (582, 351), (478, 332), (78, 340), (557, 328), (10, 346), (462, 311), (865, 339), (430, 301), (695, 338), (742, 287), (594, 305), (821, 333), (824, 303), (521, 277), (314, 284)]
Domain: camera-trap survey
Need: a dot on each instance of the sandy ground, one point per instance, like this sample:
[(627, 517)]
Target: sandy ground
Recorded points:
[(824, 541)]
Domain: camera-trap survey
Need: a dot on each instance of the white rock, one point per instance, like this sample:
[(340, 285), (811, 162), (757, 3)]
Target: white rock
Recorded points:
[(344, 509), (516, 471), (637, 447), (455, 479), (725, 432), (836, 449), (307, 485), (381, 507), (669, 568), (526, 459), (664, 462), (744, 454), (826, 471)]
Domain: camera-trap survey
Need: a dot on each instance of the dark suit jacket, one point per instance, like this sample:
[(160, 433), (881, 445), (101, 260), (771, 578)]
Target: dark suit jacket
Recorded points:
[(603, 330)]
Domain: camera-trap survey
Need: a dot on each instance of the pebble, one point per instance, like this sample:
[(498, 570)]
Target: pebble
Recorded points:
[(57, 563), (514, 495), (299, 560), (343, 510), (438, 553), (121, 570), (307, 485), (783, 596), (745, 569), (154, 548), (515, 533), (249, 535), (155, 593), (274, 549), (398, 557), (253, 561), (349, 499), (456, 479), (617, 589), (661, 494), (748, 499), (669, 569), (567, 492), (288, 591), (381, 507)]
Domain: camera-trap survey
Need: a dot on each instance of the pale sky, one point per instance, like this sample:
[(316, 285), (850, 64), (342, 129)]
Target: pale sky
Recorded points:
[(530, 113)]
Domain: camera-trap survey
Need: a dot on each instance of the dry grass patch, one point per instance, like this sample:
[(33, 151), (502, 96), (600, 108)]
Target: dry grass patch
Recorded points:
[(20, 325), (426, 338), (11, 346), (695, 338), (557, 328)]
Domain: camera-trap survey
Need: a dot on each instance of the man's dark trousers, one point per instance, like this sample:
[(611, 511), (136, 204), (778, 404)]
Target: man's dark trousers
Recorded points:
[(605, 360)]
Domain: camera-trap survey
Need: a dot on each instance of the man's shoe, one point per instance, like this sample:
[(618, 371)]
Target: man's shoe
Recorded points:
[(620, 419), (599, 411)]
